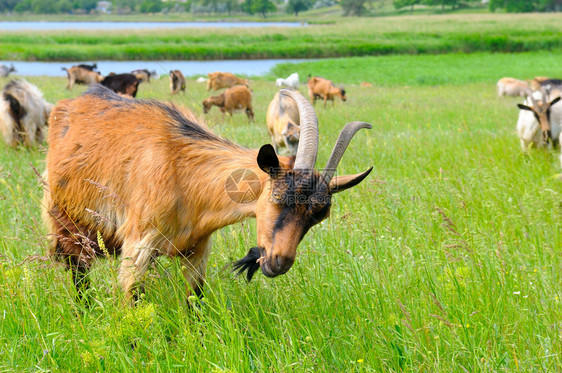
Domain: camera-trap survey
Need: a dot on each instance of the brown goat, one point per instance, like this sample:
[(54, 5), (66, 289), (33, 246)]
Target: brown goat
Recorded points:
[(80, 75), (127, 84), (324, 89), (218, 80), (235, 98), (177, 82), (162, 185), (283, 124)]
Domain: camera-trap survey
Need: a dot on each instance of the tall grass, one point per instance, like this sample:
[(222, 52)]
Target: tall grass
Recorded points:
[(346, 37), (446, 259)]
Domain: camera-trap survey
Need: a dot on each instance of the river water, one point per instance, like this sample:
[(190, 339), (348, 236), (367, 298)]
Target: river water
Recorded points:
[(46, 26), (188, 68)]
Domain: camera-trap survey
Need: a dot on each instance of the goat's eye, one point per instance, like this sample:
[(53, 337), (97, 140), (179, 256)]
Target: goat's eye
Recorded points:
[(276, 196)]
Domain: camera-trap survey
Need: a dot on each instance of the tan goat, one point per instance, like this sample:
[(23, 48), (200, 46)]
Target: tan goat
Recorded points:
[(80, 75), (23, 114), (177, 82), (512, 87), (153, 180), (218, 80), (233, 99), (283, 124), (324, 89)]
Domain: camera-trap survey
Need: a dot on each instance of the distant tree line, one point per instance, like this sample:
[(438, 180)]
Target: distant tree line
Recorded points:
[(453, 4), (526, 5), (261, 7), (508, 5)]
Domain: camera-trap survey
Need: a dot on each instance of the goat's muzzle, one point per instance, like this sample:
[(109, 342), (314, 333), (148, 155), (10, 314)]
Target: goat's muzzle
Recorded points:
[(547, 137), (256, 258), (275, 266)]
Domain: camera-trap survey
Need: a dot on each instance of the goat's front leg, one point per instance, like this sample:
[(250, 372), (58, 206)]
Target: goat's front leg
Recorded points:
[(194, 267), (137, 256)]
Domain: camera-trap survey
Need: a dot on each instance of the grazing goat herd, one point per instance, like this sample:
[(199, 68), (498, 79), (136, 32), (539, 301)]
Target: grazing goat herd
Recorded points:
[(159, 186)]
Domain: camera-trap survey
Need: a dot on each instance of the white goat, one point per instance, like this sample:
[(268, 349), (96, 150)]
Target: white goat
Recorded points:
[(540, 120), (5, 70), (512, 87), (292, 81), (23, 114)]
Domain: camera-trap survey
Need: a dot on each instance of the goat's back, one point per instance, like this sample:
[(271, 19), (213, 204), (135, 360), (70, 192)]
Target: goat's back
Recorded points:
[(317, 84), (237, 97), (110, 154)]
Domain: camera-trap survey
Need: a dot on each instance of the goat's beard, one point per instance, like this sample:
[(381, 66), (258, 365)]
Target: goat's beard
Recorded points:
[(250, 262)]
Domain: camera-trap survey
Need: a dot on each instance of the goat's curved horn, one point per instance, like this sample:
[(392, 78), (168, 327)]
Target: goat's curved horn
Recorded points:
[(308, 143), (345, 137)]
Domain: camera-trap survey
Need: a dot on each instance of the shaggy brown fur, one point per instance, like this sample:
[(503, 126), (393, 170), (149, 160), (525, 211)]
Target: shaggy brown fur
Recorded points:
[(218, 80), (325, 90), (233, 99)]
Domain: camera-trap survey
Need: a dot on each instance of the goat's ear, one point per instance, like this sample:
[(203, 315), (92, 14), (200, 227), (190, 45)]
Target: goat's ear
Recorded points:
[(554, 101), (341, 183), (267, 160), (524, 107)]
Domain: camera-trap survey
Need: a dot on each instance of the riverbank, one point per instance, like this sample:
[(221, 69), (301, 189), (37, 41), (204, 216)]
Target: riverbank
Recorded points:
[(402, 70), (345, 38)]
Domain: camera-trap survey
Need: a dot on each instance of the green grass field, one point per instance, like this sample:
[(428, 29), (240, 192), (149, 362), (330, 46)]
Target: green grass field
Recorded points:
[(420, 34), (446, 259)]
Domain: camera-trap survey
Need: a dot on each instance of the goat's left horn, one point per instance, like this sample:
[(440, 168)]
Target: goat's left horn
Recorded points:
[(344, 138), (308, 143)]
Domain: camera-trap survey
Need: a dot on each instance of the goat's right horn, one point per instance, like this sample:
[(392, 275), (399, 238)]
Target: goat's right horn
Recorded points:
[(544, 95), (344, 138), (308, 143)]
